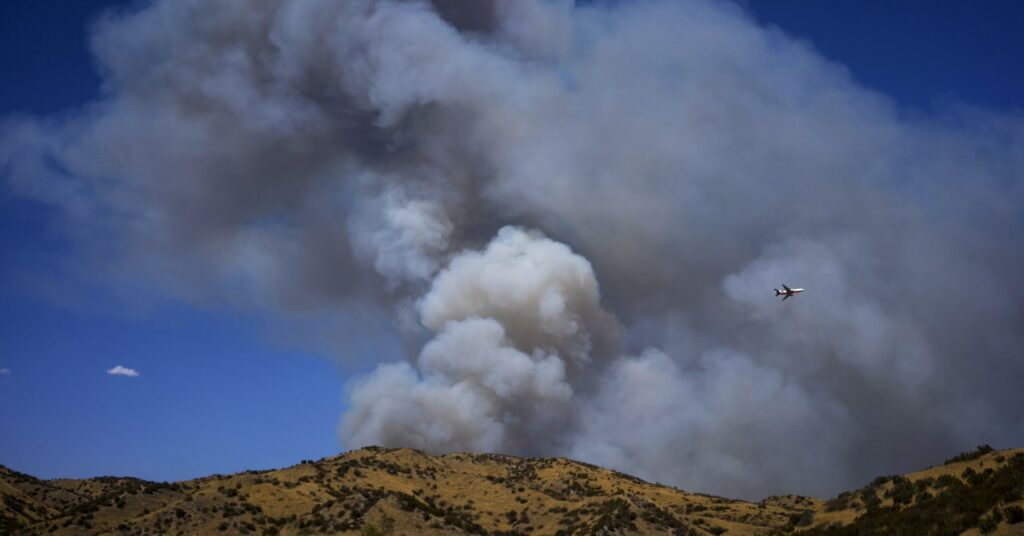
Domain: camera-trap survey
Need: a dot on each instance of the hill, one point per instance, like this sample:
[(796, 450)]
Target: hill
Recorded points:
[(376, 491)]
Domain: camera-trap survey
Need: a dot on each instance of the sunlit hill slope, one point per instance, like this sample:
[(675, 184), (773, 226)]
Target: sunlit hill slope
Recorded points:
[(376, 491)]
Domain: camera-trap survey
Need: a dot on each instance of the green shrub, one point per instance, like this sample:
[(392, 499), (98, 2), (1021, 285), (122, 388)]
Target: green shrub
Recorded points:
[(968, 456), (902, 491), (955, 507), (987, 525)]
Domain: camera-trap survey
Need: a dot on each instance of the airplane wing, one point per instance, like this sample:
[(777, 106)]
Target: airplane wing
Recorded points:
[(787, 297), (785, 287)]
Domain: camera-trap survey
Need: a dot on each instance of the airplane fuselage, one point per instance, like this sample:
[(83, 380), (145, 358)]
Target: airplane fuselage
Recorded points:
[(786, 292)]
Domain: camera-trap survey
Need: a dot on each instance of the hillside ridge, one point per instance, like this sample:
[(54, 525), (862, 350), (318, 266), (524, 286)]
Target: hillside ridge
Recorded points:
[(376, 491)]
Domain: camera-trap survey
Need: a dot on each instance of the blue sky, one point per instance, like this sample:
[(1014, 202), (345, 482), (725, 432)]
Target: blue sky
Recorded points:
[(213, 395), (918, 52), (216, 394)]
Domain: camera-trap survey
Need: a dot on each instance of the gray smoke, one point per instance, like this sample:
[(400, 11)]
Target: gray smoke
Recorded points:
[(574, 217)]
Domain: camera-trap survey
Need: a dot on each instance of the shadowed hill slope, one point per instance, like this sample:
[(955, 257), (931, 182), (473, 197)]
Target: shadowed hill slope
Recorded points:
[(375, 491), (980, 492)]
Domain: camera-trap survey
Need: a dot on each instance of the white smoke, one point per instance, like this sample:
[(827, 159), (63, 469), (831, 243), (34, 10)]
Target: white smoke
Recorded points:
[(402, 238), (712, 422), (510, 321), (476, 392), (544, 295), (472, 173)]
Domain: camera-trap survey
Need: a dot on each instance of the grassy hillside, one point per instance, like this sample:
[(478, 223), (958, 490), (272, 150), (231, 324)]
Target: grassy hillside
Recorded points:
[(980, 492), (376, 491)]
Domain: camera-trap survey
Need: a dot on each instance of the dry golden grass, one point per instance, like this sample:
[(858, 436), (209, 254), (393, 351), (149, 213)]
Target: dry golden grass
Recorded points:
[(376, 491), (380, 491), (922, 480)]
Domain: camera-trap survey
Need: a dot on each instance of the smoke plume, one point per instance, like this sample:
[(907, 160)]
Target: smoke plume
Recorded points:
[(574, 217)]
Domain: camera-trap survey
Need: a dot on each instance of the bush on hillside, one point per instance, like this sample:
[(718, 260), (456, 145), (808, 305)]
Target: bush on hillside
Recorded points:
[(972, 455)]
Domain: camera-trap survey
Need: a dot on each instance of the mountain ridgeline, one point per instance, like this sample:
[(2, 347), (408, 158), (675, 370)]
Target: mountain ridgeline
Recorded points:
[(377, 492)]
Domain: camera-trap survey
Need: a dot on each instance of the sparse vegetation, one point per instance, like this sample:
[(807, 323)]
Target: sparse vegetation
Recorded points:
[(386, 491), (954, 506), (972, 455)]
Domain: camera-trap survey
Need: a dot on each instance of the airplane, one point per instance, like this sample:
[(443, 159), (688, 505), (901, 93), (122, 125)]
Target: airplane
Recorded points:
[(787, 292)]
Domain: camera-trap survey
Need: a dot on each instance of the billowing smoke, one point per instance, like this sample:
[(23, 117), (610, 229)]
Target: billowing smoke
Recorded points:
[(574, 217), (515, 326)]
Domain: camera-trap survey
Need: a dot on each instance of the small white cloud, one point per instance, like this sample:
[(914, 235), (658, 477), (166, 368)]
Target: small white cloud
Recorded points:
[(123, 371), (5, 372)]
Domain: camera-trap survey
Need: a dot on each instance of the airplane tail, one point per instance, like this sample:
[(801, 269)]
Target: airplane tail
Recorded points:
[(778, 292)]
